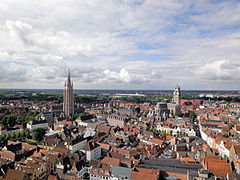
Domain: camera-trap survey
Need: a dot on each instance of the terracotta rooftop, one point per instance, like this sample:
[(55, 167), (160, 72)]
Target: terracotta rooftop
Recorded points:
[(217, 167), (13, 174), (110, 161)]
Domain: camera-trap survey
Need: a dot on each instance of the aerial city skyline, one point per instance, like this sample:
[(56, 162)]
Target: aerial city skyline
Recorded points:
[(145, 44), (50, 134), (120, 90)]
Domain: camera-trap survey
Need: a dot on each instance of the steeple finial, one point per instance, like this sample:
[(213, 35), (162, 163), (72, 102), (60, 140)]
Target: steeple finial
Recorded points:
[(68, 72), (69, 77)]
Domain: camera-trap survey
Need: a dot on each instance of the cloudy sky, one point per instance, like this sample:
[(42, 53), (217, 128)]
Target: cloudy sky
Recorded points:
[(120, 44)]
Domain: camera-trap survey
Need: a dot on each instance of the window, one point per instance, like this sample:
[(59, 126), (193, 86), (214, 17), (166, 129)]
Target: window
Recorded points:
[(95, 171)]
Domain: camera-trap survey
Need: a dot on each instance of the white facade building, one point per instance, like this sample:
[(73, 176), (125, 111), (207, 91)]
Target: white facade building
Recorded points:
[(32, 125), (92, 151)]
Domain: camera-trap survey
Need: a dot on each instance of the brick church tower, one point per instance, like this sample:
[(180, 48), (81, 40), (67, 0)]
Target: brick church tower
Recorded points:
[(177, 96), (68, 102)]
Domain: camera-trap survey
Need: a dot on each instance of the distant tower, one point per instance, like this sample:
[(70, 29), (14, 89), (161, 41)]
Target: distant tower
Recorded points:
[(177, 96), (68, 103)]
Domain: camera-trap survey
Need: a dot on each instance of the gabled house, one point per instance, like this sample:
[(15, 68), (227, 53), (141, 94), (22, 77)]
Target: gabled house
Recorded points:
[(92, 150), (234, 157)]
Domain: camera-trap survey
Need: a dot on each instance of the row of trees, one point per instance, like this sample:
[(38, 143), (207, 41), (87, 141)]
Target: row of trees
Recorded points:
[(53, 96), (38, 97), (11, 120), (37, 135), (235, 99), (192, 115), (137, 99), (164, 133), (23, 133), (92, 99)]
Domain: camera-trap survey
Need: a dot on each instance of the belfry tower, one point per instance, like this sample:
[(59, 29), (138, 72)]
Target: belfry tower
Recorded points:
[(68, 101), (177, 96)]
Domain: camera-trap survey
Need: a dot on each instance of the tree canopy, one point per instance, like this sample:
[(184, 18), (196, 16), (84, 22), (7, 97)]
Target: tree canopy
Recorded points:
[(38, 134)]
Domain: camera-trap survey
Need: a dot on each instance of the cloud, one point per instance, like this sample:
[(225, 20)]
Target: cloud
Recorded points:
[(13, 73), (125, 77), (122, 76), (3, 55), (20, 30), (219, 70), (45, 41), (147, 44)]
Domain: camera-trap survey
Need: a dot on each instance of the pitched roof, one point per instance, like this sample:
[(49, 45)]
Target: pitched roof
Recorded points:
[(13, 174), (157, 141), (135, 175), (121, 172), (103, 128), (90, 146), (217, 167), (237, 149), (50, 177), (7, 155), (110, 161), (189, 159), (104, 146), (105, 171)]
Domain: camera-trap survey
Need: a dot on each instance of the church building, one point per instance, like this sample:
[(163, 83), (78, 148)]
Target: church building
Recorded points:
[(68, 102)]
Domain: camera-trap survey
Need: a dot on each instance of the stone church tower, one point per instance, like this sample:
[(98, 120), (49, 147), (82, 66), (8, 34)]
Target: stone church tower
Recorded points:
[(68, 101), (177, 96)]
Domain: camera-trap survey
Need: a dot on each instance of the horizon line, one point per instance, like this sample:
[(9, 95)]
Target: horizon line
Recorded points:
[(117, 89)]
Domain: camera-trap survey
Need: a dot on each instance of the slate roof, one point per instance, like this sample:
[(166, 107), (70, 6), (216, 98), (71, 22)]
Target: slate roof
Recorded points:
[(121, 172)]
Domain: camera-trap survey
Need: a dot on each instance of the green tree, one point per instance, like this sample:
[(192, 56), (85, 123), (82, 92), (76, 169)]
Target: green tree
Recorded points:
[(9, 120), (29, 117), (22, 133), (13, 135), (178, 134), (164, 133), (26, 133), (146, 112), (26, 109), (38, 134), (178, 114), (18, 134), (8, 137), (132, 139), (6, 112), (4, 120), (2, 138), (138, 110), (12, 120), (192, 115)]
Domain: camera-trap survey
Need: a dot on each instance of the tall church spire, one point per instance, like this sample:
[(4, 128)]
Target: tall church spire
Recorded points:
[(177, 95), (68, 104), (69, 78)]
